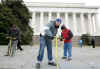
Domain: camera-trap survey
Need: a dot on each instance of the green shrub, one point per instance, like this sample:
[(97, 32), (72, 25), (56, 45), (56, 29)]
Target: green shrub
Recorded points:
[(15, 12)]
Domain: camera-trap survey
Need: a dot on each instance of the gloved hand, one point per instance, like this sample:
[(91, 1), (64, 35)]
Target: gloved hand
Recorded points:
[(61, 39), (50, 37)]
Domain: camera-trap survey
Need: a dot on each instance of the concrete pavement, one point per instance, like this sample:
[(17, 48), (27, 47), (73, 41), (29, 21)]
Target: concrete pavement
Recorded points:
[(83, 58)]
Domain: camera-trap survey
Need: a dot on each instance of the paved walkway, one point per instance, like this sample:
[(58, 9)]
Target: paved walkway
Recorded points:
[(83, 58)]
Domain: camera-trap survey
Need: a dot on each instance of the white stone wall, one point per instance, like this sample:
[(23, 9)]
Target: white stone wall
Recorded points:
[(36, 24), (80, 19)]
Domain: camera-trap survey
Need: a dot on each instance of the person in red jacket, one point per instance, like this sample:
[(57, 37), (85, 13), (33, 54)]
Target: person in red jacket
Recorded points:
[(67, 37)]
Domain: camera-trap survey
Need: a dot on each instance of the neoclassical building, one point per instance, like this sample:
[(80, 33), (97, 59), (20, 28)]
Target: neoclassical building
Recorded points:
[(79, 18)]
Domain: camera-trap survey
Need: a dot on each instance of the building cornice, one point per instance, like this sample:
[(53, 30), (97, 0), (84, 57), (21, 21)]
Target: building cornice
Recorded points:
[(59, 5)]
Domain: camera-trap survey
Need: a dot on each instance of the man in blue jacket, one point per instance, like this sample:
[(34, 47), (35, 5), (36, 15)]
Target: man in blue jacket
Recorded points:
[(46, 37)]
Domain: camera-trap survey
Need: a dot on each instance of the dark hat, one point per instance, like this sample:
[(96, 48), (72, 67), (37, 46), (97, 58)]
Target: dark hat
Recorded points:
[(63, 27), (58, 20)]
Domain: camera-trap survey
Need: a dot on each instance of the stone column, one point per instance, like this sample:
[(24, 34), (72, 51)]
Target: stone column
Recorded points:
[(66, 19), (49, 16), (96, 25), (41, 22), (74, 23), (33, 23), (82, 23), (90, 24), (33, 18), (58, 15)]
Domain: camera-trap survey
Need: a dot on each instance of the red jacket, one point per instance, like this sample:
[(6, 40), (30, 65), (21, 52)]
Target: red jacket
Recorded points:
[(65, 35)]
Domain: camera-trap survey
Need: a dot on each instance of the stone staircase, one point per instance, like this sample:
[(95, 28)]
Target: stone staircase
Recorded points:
[(75, 41), (36, 40), (97, 40)]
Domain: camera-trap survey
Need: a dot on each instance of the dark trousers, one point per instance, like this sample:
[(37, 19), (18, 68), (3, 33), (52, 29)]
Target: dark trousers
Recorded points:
[(19, 45)]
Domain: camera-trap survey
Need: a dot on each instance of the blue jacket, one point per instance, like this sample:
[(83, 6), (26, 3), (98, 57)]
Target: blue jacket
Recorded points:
[(50, 29)]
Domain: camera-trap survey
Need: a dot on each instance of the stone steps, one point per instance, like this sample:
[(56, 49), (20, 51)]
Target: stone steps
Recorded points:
[(75, 41), (36, 40)]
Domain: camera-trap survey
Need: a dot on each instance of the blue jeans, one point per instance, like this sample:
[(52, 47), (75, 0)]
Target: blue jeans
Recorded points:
[(45, 42), (68, 49), (81, 45)]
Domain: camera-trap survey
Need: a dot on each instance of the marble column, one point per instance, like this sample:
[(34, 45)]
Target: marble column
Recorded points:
[(96, 25), (41, 22), (74, 23), (82, 23), (49, 16), (58, 15), (90, 24), (66, 19), (33, 23)]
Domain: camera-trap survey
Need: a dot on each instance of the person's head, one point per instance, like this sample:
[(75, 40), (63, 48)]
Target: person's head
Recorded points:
[(63, 27), (58, 22), (14, 26)]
